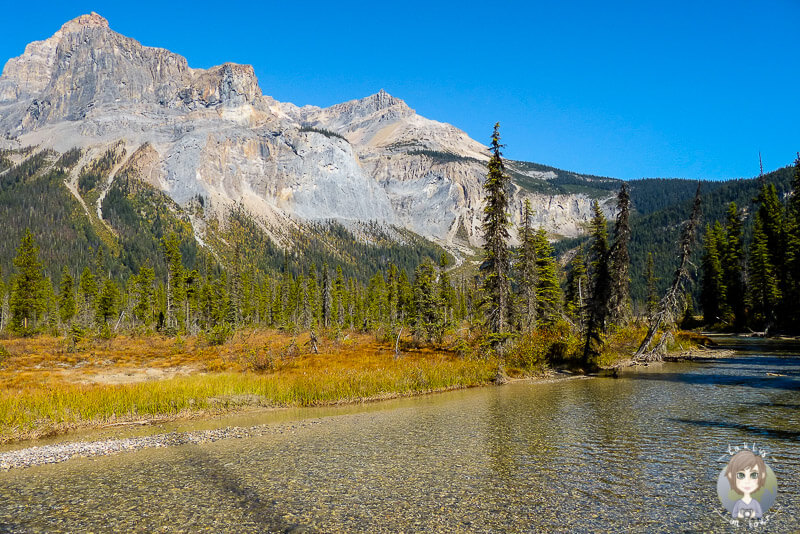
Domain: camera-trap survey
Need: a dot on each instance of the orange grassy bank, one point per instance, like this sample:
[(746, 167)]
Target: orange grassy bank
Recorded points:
[(47, 386)]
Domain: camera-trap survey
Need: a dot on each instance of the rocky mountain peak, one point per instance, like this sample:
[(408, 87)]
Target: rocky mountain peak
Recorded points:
[(84, 21), (367, 114), (382, 100), (86, 65)]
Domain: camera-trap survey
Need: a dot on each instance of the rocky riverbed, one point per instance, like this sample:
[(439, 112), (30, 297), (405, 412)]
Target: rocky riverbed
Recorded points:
[(61, 452)]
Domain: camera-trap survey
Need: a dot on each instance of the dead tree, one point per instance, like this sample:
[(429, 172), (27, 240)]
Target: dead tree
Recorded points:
[(673, 300), (313, 342), (397, 345)]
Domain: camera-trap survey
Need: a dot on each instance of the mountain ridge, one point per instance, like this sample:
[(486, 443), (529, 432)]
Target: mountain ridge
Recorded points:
[(213, 134)]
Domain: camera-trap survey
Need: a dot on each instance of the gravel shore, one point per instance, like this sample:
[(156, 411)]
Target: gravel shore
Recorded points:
[(61, 452)]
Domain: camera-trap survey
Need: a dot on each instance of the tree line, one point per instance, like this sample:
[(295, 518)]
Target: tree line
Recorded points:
[(755, 283), (216, 303)]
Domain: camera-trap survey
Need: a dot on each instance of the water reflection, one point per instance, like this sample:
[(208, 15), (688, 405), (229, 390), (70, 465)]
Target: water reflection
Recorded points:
[(634, 454)]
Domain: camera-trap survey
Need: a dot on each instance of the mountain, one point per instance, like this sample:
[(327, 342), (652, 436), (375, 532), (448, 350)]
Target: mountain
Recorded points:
[(208, 143)]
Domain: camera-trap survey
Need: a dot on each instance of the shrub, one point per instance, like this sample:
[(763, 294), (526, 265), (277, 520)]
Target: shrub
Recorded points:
[(219, 334), (535, 351)]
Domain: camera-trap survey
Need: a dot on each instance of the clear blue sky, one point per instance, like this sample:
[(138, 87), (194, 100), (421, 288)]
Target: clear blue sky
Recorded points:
[(690, 89)]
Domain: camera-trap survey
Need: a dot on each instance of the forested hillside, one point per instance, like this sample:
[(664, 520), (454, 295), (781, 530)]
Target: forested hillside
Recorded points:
[(659, 206)]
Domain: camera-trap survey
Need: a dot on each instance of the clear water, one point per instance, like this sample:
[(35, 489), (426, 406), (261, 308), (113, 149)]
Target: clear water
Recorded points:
[(638, 453)]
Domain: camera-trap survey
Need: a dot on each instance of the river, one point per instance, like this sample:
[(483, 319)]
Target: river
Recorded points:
[(637, 453)]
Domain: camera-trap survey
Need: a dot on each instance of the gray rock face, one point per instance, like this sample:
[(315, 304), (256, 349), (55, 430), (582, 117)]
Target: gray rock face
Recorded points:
[(213, 133)]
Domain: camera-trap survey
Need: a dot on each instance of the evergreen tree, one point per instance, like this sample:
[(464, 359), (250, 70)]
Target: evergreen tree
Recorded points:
[(713, 298), (771, 263), (338, 294), (175, 292), (619, 259), (88, 291), (392, 296), (496, 267), (733, 267), (428, 323), (312, 289), (597, 311), (773, 222), (27, 300), (376, 301), (446, 295), (235, 292), (107, 301), (191, 284), (143, 294), (50, 315), (287, 301), (791, 296), (526, 274), (326, 296), (2, 301), (405, 298), (66, 298), (764, 292), (548, 290)]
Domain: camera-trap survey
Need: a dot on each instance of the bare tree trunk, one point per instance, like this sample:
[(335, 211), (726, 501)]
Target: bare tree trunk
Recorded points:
[(397, 344)]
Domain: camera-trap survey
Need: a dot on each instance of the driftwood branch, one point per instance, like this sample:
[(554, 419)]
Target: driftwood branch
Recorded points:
[(670, 304)]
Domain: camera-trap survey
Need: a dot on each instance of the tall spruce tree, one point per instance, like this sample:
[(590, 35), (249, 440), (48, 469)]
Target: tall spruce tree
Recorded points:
[(763, 287), (27, 300), (619, 306), (733, 267), (325, 297), (391, 292), (66, 298), (3, 318), (791, 296), (175, 292), (526, 275), (312, 289), (405, 298), (713, 298), (496, 267), (143, 295), (548, 289), (107, 301), (597, 310), (446, 297), (88, 292), (771, 216), (427, 323)]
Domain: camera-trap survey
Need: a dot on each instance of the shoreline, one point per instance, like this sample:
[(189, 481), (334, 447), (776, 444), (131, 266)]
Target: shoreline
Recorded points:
[(37, 455), (71, 437)]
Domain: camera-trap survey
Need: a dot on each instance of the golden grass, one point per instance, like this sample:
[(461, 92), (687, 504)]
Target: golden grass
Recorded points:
[(45, 389)]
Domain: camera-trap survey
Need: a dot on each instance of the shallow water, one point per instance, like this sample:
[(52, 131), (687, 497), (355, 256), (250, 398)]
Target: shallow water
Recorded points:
[(640, 453)]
